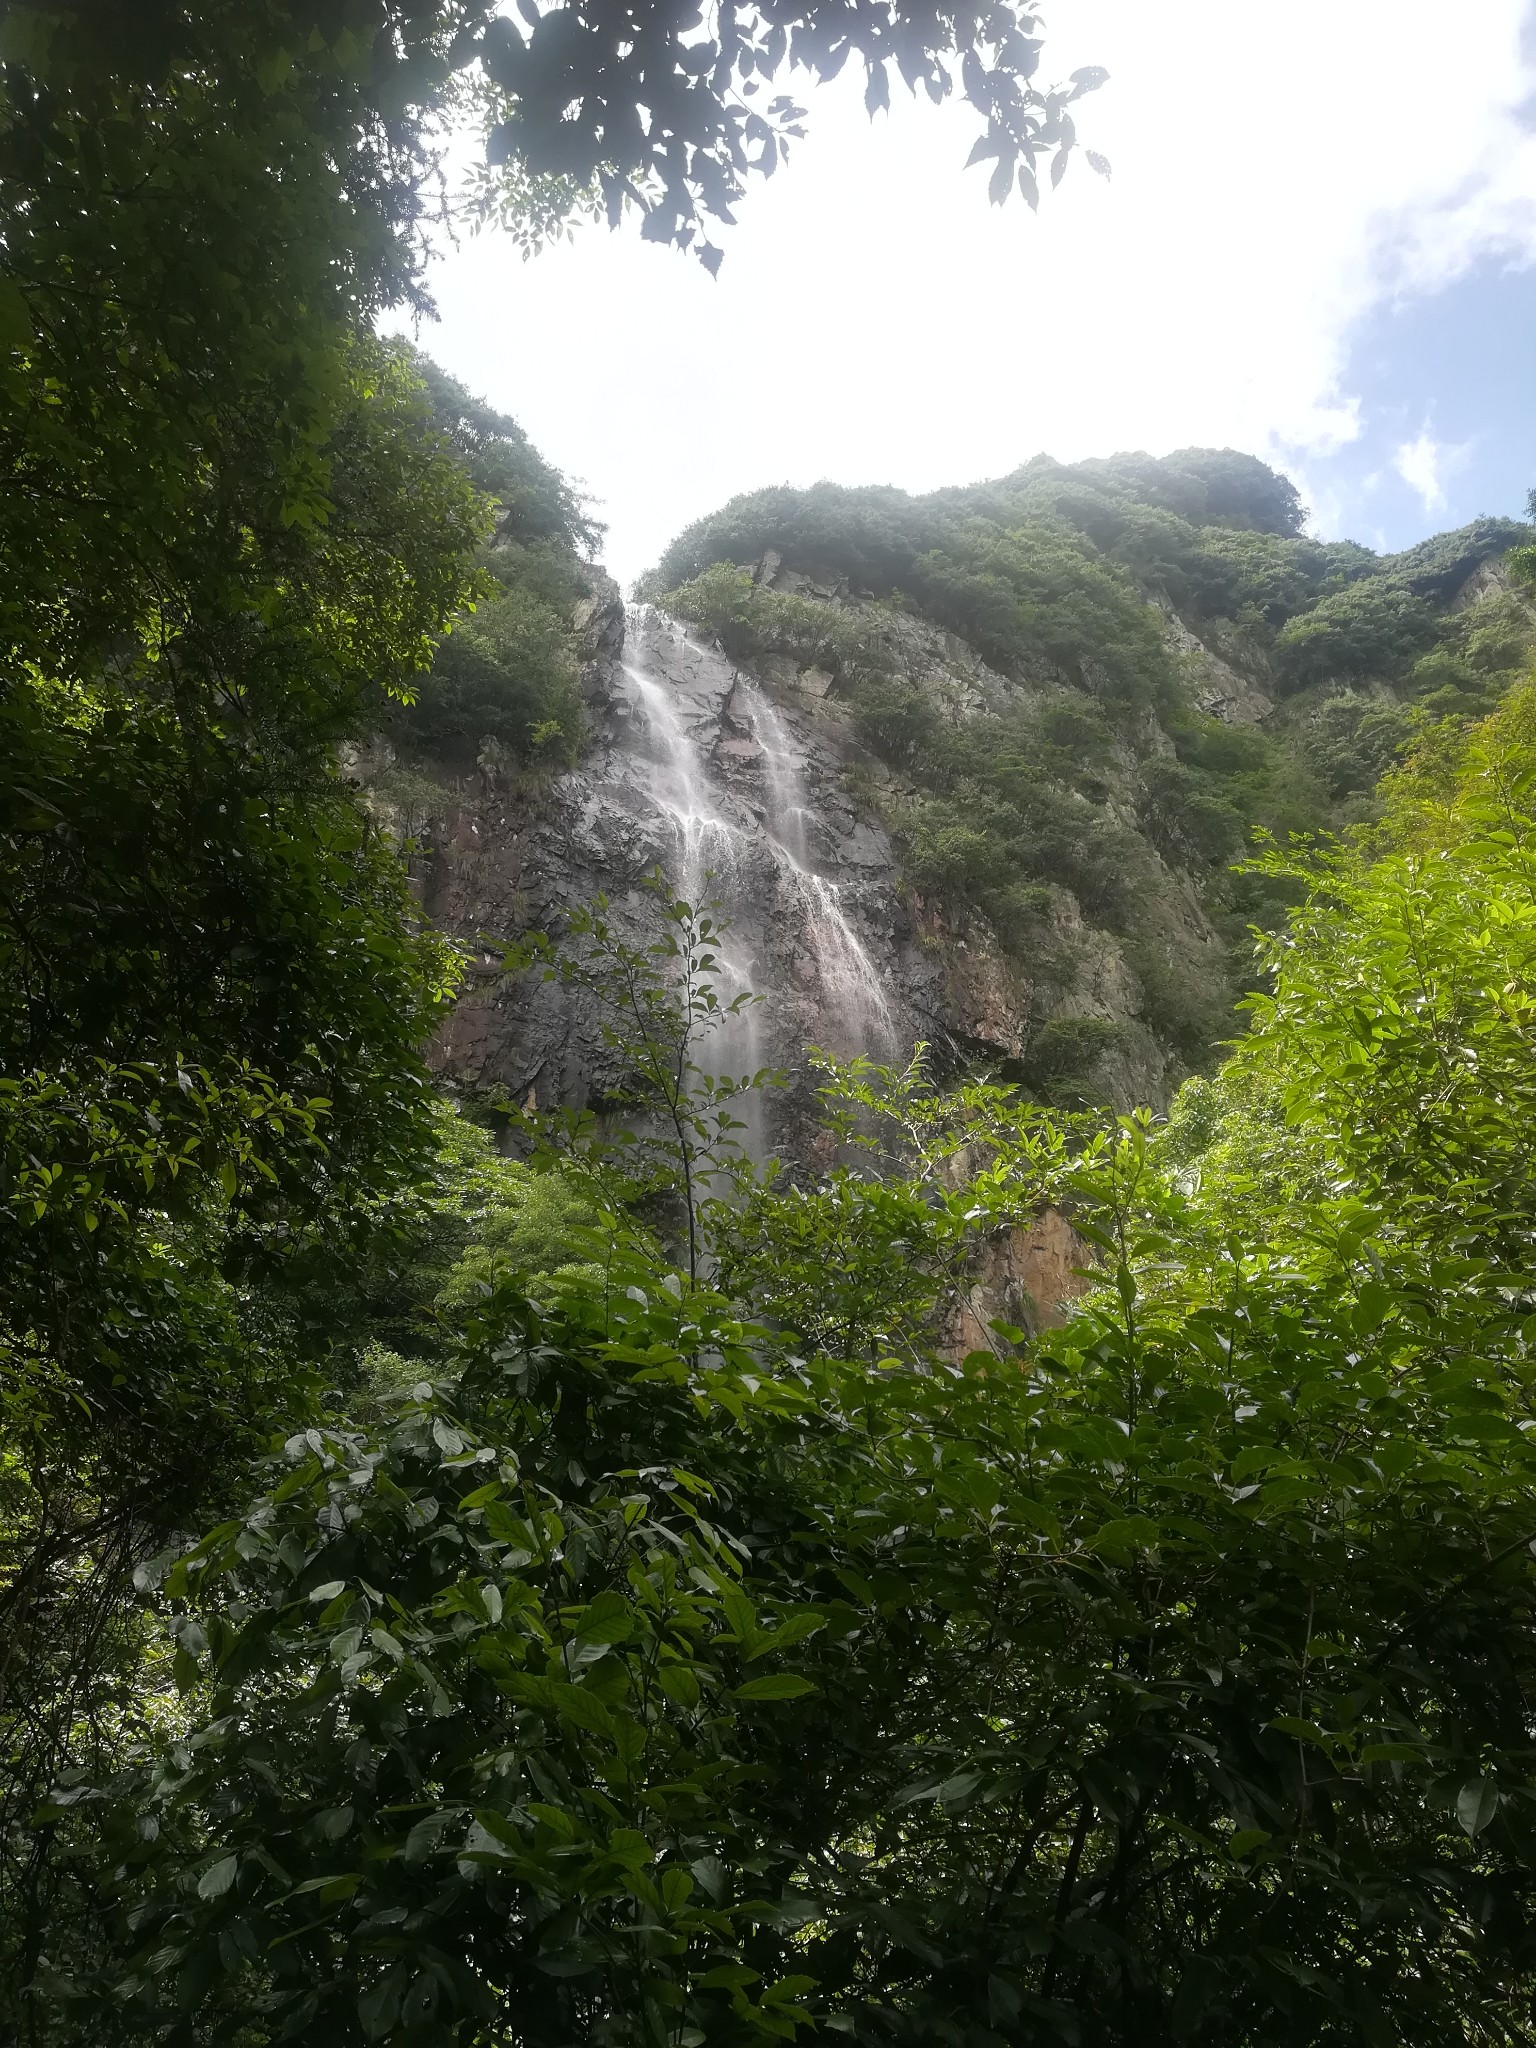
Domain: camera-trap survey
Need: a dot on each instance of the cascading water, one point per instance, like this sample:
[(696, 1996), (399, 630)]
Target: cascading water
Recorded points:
[(853, 988), (752, 858), (707, 869)]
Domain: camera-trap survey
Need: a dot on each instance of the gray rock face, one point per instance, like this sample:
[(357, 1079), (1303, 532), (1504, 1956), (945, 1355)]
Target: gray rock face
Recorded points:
[(1219, 688), (738, 797), (737, 789)]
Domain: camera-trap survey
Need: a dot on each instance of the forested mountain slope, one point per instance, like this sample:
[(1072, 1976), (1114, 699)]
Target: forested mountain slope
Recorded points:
[(647, 1623), (590, 1600), (1078, 690)]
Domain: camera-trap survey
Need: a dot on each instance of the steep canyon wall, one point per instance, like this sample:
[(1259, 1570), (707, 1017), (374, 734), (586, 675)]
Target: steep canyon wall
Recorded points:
[(970, 771), (738, 792)]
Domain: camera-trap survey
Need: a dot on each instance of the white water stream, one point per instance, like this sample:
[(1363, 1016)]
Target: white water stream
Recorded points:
[(707, 869), (756, 867), (850, 984)]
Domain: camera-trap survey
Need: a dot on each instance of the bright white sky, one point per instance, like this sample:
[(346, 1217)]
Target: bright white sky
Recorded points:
[(1284, 174)]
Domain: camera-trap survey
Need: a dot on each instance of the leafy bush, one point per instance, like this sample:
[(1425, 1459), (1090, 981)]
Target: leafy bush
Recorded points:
[(1204, 486), (1037, 594), (1372, 628), (1438, 568), (1351, 741), (1188, 820), (481, 1217), (870, 535), (1018, 824), (534, 502), (1063, 1051), (1187, 983), (874, 536), (506, 672), (1259, 573), (748, 619), (900, 721)]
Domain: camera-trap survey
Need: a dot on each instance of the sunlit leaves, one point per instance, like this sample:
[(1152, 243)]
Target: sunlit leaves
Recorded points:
[(569, 84)]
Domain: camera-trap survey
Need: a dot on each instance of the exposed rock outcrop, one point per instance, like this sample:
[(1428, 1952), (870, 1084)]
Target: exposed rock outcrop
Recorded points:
[(696, 770), (739, 786), (1027, 1277), (1219, 688)]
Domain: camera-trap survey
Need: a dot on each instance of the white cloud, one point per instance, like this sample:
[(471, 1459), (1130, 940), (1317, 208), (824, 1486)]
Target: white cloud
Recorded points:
[(1277, 171), (1418, 463), (1427, 466)]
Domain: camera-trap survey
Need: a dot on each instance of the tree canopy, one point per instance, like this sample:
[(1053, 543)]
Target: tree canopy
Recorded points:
[(637, 102)]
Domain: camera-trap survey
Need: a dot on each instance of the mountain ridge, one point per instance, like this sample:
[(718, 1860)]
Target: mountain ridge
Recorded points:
[(1065, 699)]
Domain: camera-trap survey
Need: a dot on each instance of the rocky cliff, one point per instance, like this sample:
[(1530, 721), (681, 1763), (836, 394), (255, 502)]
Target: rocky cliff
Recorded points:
[(741, 788), (969, 771)]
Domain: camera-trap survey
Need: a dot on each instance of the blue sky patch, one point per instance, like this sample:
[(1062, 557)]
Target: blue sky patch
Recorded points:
[(1447, 390)]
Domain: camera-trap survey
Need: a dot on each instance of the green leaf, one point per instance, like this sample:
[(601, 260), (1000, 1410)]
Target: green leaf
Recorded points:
[(1245, 1841), (555, 1818), (333, 1889), (606, 1620), (378, 2008), (1476, 1804), (779, 1685), (218, 1877), (679, 1682), (499, 1827), (15, 318), (1126, 1534), (564, 1702)]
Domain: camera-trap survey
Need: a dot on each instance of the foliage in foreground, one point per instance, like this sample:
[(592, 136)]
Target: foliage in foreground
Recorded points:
[(654, 1676), (1174, 1687)]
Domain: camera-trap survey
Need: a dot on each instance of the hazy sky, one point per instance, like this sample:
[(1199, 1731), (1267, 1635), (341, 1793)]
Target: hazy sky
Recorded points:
[(1319, 244)]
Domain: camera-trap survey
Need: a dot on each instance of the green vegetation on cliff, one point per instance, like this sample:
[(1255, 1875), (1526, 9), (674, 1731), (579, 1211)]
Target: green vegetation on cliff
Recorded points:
[(505, 676), (1121, 605)]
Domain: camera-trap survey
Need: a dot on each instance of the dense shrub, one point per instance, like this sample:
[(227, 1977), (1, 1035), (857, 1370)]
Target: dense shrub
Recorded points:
[(874, 535), (747, 619), (1350, 741), (871, 535), (506, 672), (534, 501), (1062, 1052), (1038, 595), (1259, 573), (1372, 628)]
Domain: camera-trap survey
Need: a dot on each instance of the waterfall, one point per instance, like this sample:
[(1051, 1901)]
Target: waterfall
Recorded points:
[(849, 980), (752, 854), (708, 867)]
